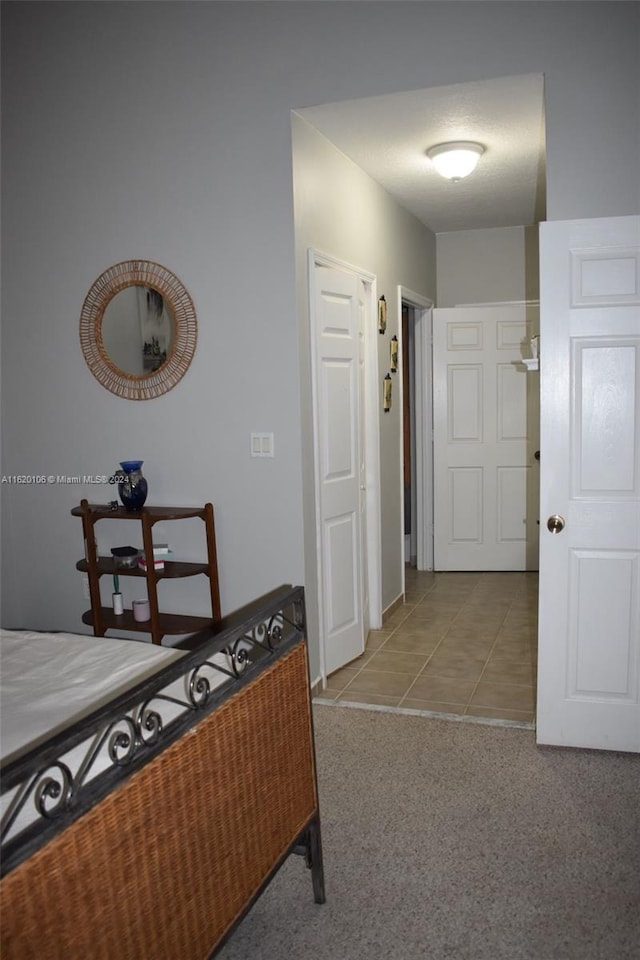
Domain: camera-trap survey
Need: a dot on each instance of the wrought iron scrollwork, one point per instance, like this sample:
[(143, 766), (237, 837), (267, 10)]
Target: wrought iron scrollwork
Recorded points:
[(238, 655), (199, 686), (53, 790), (260, 636), (122, 743), (133, 729), (148, 724), (275, 632)]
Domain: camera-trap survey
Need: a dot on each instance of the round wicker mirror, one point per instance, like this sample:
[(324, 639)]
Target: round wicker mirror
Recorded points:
[(138, 329)]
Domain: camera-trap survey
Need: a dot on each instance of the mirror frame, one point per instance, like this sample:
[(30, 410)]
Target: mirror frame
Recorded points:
[(145, 273)]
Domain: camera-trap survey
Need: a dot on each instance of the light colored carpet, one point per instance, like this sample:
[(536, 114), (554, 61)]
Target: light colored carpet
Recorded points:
[(448, 841)]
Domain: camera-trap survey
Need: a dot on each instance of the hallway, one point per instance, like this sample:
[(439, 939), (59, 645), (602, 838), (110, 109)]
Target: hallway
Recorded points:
[(461, 643)]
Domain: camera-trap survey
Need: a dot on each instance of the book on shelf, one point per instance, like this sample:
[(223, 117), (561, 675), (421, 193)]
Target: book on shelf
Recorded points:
[(157, 564), (161, 549)]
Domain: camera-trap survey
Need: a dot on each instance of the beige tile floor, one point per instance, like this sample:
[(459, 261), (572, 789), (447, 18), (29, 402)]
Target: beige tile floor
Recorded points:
[(461, 643)]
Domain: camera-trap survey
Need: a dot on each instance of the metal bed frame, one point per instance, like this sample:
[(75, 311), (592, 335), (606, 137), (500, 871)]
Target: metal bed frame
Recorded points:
[(204, 796)]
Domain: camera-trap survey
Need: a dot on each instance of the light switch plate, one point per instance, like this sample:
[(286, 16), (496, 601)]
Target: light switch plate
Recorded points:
[(262, 445)]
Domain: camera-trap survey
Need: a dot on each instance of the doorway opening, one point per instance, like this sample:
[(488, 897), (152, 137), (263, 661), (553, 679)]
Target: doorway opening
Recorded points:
[(331, 212), (417, 428), (463, 644)]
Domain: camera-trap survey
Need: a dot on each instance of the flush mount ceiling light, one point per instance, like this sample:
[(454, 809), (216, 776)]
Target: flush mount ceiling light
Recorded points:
[(457, 159)]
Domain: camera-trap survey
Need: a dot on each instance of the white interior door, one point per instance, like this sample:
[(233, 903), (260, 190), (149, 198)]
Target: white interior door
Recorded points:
[(589, 624), (486, 431), (339, 391)]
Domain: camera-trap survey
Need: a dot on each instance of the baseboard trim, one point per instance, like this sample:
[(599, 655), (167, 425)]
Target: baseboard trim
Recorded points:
[(391, 609)]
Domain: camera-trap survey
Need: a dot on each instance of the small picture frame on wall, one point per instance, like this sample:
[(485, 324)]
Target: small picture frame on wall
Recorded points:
[(393, 354), (388, 386), (382, 314)]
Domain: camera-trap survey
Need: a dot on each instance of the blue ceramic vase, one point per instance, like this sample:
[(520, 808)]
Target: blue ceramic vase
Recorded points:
[(132, 486)]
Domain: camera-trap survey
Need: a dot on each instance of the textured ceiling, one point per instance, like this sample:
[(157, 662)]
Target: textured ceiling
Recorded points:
[(387, 136)]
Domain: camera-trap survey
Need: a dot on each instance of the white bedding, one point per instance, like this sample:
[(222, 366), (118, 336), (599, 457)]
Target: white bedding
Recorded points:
[(49, 680)]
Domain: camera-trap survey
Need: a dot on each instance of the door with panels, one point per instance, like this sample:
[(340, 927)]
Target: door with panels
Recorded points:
[(486, 435), (340, 463), (589, 623)]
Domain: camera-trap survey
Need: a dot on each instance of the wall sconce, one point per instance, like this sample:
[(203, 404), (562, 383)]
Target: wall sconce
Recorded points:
[(534, 343), (457, 159), (533, 363), (394, 354), (382, 314), (388, 385)]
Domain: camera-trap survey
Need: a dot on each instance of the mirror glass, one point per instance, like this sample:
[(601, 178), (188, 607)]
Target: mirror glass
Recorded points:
[(138, 329)]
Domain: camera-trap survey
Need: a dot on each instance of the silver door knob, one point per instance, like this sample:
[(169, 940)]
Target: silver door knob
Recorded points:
[(555, 523)]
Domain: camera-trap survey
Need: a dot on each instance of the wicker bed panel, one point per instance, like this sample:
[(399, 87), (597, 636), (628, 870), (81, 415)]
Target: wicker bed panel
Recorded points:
[(145, 874)]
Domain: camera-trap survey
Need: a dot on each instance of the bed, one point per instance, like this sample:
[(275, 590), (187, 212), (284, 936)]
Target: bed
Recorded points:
[(146, 823)]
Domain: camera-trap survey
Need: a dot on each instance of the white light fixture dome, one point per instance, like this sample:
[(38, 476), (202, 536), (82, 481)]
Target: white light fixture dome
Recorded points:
[(457, 159)]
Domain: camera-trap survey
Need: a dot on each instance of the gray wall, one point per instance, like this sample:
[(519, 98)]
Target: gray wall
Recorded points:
[(486, 266), (162, 130)]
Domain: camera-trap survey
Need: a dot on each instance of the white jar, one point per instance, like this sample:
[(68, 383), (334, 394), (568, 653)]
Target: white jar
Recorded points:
[(141, 611)]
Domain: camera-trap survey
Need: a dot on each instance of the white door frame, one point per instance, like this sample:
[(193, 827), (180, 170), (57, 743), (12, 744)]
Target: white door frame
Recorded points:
[(317, 258), (423, 384)]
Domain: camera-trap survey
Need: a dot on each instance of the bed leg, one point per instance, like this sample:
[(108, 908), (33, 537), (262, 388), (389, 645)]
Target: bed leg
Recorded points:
[(309, 846), (313, 841)]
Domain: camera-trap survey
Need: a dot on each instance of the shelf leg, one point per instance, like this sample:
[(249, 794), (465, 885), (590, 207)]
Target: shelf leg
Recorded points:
[(214, 585)]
